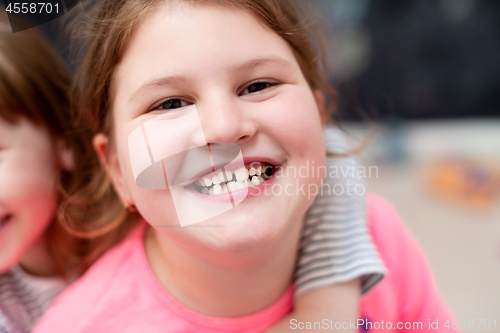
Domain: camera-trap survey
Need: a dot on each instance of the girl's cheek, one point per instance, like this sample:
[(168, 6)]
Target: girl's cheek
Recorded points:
[(295, 118), (154, 205), (31, 184), (28, 193)]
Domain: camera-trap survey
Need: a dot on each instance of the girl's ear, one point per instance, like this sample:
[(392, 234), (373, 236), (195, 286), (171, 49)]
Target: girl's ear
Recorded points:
[(110, 163), (100, 143), (320, 101), (65, 156)]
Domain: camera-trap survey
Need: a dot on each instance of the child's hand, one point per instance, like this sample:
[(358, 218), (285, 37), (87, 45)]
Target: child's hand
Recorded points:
[(325, 306)]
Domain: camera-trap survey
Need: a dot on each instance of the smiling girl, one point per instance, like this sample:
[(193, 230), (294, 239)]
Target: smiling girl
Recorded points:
[(246, 73)]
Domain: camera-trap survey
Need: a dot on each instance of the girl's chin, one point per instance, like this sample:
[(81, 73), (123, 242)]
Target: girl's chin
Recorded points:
[(243, 235), (247, 228), (9, 245), (7, 259)]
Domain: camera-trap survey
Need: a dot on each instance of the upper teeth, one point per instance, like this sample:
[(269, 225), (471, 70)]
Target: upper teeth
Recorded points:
[(241, 174), (224, 181), (225, 176)]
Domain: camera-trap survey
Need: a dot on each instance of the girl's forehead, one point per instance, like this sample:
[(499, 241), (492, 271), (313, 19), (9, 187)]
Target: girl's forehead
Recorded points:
[(194, 37), (22, 130), (201, 28), (8, 129)]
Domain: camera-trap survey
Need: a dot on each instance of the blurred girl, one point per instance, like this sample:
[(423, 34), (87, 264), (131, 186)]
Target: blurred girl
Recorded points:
[(250, 69), (36, 165)]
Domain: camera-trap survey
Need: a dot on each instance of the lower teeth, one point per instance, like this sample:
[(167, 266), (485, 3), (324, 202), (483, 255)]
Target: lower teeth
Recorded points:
[(233, 186)]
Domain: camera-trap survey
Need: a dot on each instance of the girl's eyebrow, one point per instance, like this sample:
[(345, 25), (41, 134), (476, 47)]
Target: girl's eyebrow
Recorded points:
[(161, 82), (257, 62), (178, 80)]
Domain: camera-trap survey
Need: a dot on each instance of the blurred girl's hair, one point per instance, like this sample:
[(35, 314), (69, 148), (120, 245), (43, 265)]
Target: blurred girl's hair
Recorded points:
[(106, 29)]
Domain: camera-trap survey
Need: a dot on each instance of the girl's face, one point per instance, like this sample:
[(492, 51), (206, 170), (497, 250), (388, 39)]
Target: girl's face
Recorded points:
[(248, 89), (28, 196)]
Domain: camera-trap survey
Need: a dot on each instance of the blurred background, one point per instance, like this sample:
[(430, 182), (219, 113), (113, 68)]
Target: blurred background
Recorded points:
[(419, 85)]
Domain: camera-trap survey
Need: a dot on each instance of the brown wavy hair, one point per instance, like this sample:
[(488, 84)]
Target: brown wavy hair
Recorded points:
[(34, 85), (95, 210)]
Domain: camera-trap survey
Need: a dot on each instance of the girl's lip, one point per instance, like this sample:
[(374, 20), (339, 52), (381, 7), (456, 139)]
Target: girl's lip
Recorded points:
[(239, 194)]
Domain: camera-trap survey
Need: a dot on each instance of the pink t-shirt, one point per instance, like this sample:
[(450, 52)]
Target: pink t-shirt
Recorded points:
[(119, 293)]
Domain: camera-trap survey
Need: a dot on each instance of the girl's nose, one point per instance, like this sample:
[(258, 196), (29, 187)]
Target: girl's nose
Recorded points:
[(223, 120)]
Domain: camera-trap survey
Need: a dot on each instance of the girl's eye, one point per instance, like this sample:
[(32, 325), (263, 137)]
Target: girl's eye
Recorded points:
[(171, 104), (257, 86)]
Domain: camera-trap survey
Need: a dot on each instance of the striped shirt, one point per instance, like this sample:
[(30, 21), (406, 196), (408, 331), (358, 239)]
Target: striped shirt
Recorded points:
[(335, 244), (24, 298)]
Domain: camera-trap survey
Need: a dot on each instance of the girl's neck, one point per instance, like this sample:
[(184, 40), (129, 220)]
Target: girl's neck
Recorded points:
[(37, 261), (243, 284)]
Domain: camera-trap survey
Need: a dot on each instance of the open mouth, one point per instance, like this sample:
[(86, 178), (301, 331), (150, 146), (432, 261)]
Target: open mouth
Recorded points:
[(222, 182), (5, 220)]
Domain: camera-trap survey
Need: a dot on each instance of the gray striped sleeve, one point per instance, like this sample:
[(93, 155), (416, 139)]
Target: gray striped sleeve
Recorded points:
[(335, 245), (24, 298)]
